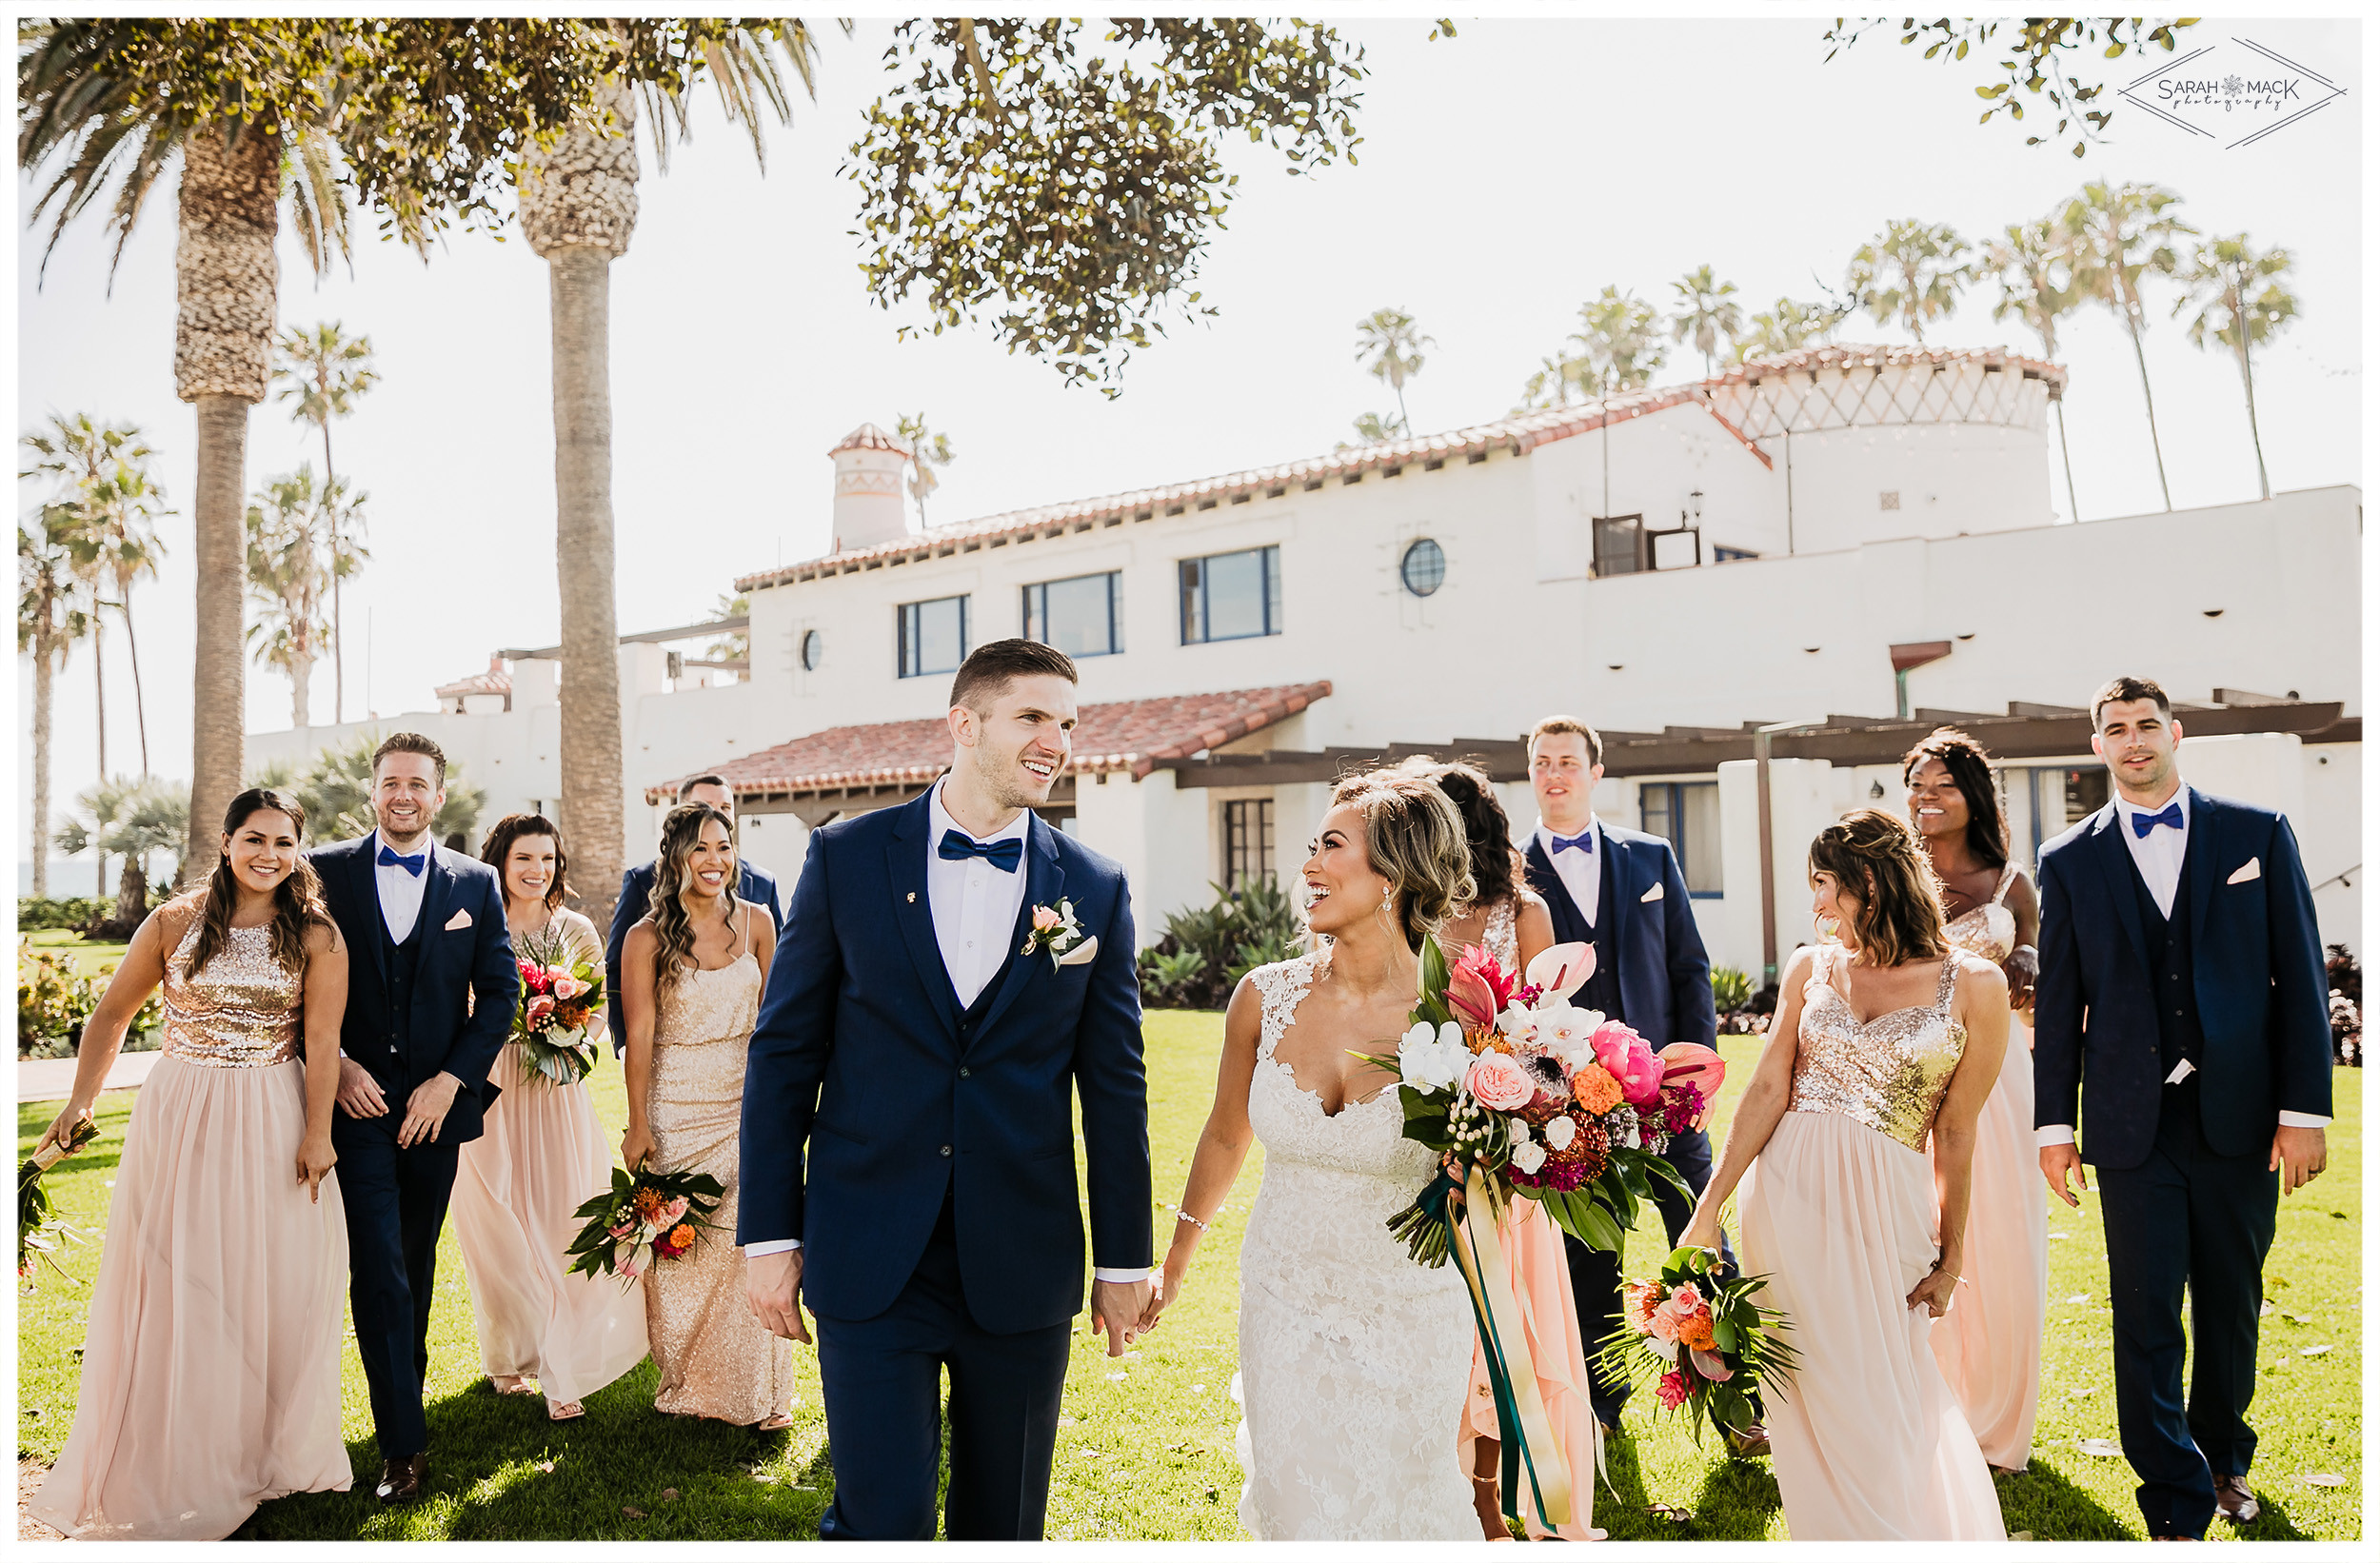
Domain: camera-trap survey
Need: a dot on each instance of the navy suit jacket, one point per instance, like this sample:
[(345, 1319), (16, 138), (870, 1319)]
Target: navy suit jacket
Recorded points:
[(867, 1095), (2256, 966), (465, 982), (753, 883), (1664, 971)]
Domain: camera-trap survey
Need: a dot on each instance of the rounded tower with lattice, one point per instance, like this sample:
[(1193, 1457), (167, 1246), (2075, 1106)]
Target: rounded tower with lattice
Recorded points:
[(868, 509)]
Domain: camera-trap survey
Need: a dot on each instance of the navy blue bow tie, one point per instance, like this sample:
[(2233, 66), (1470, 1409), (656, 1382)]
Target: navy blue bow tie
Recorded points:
[(412, 865), (1005, 853), (1583, 841), (2170, 815)]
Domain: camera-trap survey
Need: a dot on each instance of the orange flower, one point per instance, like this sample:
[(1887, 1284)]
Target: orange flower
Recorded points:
[(1596, 1091), (682, 1235), (1694, 1332)]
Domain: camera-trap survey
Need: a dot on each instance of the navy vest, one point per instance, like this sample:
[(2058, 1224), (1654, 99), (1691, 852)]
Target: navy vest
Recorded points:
[(2180, 1035), (403, 960)]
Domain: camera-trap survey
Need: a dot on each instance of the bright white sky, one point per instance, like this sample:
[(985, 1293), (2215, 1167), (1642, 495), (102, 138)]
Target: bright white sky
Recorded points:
[(1505, 177)]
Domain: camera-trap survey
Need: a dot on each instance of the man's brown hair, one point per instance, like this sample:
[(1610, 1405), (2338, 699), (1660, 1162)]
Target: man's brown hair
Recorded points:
[(411, 744), (991, 667), (708, 778), (1568, 725), (2128, 689)]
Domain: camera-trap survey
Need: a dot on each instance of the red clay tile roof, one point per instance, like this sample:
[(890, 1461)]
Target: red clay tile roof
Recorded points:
[(1130, 735), (1520, 434), (868, 437), (496, 680)]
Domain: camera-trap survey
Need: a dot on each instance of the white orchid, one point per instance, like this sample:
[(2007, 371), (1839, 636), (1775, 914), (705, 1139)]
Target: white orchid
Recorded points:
[(1517, 1024), (1433, 1059), (1567, 1032)]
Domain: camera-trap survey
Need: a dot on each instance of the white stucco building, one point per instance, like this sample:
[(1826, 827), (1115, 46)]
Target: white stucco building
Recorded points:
[(1860, 536)]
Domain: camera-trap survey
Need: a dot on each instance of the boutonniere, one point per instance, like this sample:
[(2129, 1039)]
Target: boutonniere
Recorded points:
[(1056, 934)]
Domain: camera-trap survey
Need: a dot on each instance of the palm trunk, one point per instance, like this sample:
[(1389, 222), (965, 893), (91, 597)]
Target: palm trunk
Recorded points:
[(2149, 400), (2073, 507), (45, 676), (140, 703), (2264, 484), (99, 679), (300, 691), (338, 636), (226, 279), (132, 894)]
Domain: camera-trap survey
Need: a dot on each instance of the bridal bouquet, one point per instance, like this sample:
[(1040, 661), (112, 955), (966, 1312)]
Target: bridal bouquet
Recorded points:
[(39, 1230), (644, 1217), (1707, 1340), (554, 1018)]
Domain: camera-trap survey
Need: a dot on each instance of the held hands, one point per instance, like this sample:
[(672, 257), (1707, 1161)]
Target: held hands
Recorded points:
[(772, 1286), (314, 1160), (425, 1110), (2057, 1160), (359, 1094), (1119, 1310), (2298, 1154)]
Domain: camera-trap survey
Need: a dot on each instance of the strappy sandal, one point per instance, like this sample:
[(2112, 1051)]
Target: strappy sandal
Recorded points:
[(519, 1384), (775, 1423), (563, 1410)]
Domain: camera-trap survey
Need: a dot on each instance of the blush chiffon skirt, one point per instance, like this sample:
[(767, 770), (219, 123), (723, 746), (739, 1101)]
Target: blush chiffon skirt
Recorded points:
[(211, 1369), (1548, 1314), (543, 1154), (1990, 1343), (1868, 1442)]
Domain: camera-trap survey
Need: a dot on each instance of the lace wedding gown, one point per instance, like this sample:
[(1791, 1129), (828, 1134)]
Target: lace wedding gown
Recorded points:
[(1354, 1360)]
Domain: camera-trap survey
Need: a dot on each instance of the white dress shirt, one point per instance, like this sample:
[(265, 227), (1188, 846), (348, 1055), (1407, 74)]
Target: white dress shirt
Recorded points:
[(1580, 872), (975, 907), (2158, 857), (400, 892)]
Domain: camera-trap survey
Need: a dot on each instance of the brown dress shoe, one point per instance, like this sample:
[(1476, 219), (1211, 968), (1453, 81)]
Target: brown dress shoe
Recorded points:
[(2234, 1502), (1750, 1444), (401, 1481)]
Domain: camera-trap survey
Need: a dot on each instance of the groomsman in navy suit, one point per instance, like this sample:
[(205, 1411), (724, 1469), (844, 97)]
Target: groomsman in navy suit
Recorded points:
[(909, 1136), (1623, 892), (753, 883), (430, 992), (2182, 1000)]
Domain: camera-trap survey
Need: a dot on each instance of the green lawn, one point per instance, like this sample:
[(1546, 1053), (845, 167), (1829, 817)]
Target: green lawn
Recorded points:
[(1144, 1450), (90, 958)]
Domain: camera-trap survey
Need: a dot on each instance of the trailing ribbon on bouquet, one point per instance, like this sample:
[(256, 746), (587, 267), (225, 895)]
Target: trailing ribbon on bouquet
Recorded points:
[(1526, 1431)]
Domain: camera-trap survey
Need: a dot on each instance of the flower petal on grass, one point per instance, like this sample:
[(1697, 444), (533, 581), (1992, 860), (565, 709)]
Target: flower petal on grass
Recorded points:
[(2314, 1351), (2322, 1478), (2105, 1448)]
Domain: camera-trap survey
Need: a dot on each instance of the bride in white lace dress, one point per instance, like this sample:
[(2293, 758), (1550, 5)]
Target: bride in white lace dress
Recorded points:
[(1354, 1360)]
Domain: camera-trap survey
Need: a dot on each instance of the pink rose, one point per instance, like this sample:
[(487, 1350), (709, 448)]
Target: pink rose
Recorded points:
[(567, 987), (1629, 1060), (672, 1213), (1044, 920), (541, 1010), (1499, 1082)]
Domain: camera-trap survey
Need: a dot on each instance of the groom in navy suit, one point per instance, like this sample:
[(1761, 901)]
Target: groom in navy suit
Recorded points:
[(430, 991), (927, 1019), (2182, 1000), (1623, 892)]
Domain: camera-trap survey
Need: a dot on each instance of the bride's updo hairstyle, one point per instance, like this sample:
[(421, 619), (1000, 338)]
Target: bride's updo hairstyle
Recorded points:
[(1878, 861), (1412, 839)]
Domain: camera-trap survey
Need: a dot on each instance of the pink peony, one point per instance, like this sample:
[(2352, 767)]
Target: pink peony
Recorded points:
[(1629, 1058), (1499, 1082), (671, 1214), (1672, 1390)]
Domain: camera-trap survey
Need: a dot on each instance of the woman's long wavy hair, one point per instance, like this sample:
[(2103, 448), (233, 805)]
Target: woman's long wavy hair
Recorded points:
[(297, 899), (680, 829), (1970, 770), (1496, 866), (498, 846), (1413, 838), (1878, 859)]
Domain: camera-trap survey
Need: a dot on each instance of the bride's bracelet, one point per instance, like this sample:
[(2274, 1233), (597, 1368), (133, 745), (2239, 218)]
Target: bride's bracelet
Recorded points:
[(1180, 1215)]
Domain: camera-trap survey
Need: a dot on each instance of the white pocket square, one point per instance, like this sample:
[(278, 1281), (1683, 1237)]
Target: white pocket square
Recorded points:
[(461, 919), (1654, 894), (2249, 870), (1086, 951)]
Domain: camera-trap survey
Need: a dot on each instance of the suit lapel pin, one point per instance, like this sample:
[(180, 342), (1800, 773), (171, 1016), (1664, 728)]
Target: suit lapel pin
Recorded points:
[(913, 897)]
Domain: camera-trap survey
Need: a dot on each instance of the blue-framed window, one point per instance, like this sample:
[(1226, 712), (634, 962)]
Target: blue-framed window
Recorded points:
[(1687, 813), (1721, 553), (933, 636), (1231, 597), (1082, 616)]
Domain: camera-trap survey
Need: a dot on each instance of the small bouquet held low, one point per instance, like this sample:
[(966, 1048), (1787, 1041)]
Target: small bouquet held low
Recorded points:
[(1701, 1338), (40, 1230), (554, 1018), (644, 1217)]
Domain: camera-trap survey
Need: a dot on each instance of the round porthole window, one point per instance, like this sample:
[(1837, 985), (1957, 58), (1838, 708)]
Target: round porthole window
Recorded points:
[(813, 650), (1424, 567)]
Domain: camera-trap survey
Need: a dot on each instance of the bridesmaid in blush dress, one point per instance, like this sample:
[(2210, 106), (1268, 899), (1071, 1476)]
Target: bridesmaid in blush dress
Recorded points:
[(210, 1370), (1989, 1345), (1855, 1143), (691, 975), (543, 1154)]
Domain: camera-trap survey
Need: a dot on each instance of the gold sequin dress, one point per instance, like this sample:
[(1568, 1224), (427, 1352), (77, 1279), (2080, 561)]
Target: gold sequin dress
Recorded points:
[(1989, 1345), (544, 1153), (1868, 1442), (715, 1359), (211, 1368)]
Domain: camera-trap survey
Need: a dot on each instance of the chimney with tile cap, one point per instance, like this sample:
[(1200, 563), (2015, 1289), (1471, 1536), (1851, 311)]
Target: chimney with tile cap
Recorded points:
[(868, 509)]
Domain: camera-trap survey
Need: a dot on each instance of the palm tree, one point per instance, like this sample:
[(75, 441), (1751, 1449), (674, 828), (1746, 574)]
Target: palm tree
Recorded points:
[(2036, 279), (1788, 325), (51, 617), (295, 551), (324, 371), (134, 819), (1910, 272), (335, 789), (1393, 343), (2116, 234), (1561, 379), (2222, 280), (1706, 315), (735, 648), (1378, 429), (927, 451), (1621, 339)]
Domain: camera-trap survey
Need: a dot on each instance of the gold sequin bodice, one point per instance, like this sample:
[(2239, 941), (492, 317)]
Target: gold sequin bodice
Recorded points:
[(1989, 930), (242, 1012), (1889, 1072)]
